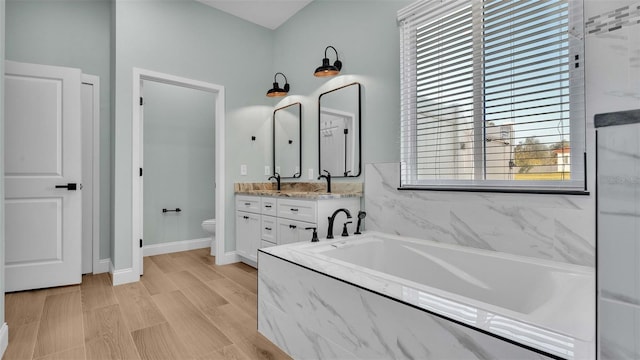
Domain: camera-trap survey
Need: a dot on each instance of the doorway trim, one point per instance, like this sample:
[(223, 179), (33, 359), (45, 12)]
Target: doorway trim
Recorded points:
[(98, 265), (218, 90)]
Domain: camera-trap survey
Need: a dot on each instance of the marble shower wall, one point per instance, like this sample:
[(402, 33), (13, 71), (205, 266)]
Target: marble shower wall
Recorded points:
[(619, 239), (612, 45)]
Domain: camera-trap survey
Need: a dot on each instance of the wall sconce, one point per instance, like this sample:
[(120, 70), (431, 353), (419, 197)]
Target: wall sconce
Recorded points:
[(276, 90), (326, 69)]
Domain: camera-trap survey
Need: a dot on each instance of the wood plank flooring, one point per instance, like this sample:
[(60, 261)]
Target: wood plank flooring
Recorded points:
[(184, 307)]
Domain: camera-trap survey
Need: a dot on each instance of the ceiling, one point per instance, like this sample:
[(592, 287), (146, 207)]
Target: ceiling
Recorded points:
[(268, 13)]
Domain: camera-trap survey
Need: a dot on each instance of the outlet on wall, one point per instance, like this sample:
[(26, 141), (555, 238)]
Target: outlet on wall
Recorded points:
[(243, 169), (267, 170), (310, 174)]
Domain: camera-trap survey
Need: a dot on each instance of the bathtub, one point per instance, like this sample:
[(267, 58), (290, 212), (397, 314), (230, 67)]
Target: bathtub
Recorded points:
[(544, 306)]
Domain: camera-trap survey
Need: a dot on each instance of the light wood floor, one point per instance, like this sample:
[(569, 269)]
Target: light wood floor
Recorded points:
[(184, 307)]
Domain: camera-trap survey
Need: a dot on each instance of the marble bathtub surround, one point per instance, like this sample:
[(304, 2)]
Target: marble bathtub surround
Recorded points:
[(304, 310), (309, 190), (551, 227)]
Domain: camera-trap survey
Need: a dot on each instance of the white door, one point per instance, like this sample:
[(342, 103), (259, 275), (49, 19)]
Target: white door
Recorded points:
[(43, 218)]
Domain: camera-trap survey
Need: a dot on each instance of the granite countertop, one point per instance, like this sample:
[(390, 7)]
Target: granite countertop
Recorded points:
[(309, 190)]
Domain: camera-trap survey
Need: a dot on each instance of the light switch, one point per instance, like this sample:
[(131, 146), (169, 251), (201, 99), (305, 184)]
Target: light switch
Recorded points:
[(243, 169)]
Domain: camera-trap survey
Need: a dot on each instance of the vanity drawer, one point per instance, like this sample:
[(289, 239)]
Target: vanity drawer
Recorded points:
[(291, 231), (297, 210), (250, 204), (269, 206), (269, 226)]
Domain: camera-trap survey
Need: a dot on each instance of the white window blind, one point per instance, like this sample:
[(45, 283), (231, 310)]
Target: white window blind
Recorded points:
[(492, 94)]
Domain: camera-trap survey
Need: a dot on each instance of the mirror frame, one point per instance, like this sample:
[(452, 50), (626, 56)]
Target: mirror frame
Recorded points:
[(359, 130), (299, 142)]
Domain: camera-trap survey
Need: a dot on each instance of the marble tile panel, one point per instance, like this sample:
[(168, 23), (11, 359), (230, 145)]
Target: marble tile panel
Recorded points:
[(296, 341), (613, 80), (619, 258), (327, 313), (619, 212), (553, 227), (619, 331)]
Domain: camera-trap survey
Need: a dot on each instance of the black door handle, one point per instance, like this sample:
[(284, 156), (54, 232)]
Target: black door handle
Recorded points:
[(69, 186)]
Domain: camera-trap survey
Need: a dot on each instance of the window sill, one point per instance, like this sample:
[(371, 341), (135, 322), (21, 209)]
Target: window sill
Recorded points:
[(498, 191)]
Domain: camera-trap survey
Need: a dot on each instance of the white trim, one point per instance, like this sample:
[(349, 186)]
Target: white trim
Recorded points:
[(123, 276), (176, 246), (102, 266), (226, 258), (94, 81), (4, 338), (136, 151)]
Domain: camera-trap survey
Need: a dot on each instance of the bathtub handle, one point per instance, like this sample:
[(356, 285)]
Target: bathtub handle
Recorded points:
[(345, 233), (314, 237)]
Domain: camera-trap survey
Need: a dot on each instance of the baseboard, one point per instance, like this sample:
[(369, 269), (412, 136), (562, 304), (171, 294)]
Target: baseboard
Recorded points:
[(102, 266), (227, 258), (123, 276), (176, 246), (4, 339)]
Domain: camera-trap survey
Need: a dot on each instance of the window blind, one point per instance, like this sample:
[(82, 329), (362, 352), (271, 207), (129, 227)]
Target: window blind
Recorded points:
[(492, 94)]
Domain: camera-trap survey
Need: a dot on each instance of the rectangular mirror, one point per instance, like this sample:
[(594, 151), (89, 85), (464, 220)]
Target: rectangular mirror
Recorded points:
[(339, 131), (287, 140)]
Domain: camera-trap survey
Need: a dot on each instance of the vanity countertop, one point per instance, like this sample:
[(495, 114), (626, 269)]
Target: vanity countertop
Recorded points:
[(311, 190), (300, 194)]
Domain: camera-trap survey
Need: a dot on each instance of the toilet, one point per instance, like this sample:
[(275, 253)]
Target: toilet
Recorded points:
[(210, 227)]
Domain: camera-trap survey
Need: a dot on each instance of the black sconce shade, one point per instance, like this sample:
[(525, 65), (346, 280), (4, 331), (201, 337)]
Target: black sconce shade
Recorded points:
[(276, 90), (327, 69)]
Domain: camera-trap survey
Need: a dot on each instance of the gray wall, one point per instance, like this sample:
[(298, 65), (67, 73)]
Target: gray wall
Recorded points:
[(73, 34), (2, 50), (179, 160), (367, 39), (189, 39)]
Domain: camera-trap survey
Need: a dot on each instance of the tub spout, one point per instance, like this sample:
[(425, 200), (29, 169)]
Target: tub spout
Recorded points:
[(332, 218)]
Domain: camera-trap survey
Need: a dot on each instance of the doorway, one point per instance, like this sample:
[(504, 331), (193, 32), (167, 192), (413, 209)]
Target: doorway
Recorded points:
[(178, 163), (140, 76)]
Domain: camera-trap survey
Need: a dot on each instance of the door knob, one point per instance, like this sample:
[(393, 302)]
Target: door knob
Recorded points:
[(69, 186)]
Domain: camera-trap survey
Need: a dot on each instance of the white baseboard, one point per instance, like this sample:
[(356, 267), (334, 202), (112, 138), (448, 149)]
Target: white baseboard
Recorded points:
[(102, 266), (123, 276), (176, 246), (227, 258), (4, 339)]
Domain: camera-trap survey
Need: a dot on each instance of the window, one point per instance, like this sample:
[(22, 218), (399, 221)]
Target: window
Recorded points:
[(492, 95)]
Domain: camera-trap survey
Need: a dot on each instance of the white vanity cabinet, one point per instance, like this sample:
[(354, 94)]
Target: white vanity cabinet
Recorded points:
[(248, 224), (263, 221)]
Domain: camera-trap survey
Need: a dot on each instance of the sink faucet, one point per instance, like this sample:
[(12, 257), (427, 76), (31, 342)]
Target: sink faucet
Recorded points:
[(328, 177), (276, 176), (332, 219)]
